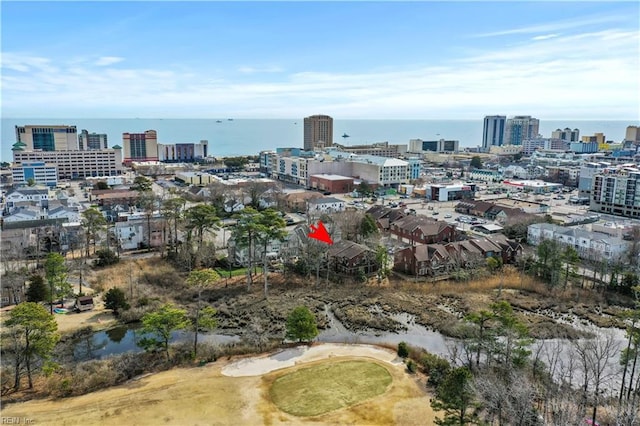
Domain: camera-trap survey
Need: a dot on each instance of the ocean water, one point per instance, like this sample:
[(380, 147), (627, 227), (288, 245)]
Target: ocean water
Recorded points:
[(250, 136)]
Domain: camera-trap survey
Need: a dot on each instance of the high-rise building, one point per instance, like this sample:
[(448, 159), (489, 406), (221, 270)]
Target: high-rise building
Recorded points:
[(318, 132), (74, 164), (140, 147), (567, 134), (48, 137), (88, 140), (632, 134), (493, 131), (519, 128), (599, 138), (616, 191)]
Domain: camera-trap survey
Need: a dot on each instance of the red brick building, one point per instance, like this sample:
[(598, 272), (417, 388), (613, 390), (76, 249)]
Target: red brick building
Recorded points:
[(334, 184)]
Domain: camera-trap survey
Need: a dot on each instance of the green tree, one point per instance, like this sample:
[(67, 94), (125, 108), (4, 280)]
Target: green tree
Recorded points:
[(245, 235), (31, 333), (514, 335), (106, 257), (201, 280), (455, 396), (549, 261), (31, 182), (148, 202), (93, 222), (403, 350), (141, 184), (101, 186), (271, 227), (483, 338), (38, 290), (365, 189), (368, 226), (301, 325), (115, 299), (200, 219), (159, 324), (382, 259), (56, 275), (476, 162)]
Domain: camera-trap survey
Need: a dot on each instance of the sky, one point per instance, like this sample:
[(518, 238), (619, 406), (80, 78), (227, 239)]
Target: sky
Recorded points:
[(350, 60)]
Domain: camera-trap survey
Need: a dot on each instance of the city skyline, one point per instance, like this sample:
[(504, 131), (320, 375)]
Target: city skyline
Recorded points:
[(378, 60)]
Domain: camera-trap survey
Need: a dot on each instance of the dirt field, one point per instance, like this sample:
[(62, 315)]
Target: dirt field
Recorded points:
[(222, 394)]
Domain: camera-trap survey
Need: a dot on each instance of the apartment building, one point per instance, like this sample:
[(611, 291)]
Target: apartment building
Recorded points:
[(567, 134), (441, 145), (616, 191), (183, 152), (381, 149), (47, 137), (76, 164)]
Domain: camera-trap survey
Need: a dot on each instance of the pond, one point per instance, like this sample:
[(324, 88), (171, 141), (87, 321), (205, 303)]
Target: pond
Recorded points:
[(124, 338)]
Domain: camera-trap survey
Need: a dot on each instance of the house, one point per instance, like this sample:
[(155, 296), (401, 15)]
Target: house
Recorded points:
[(27, 196), (350, 258), (441, 259), (385, 216), (233, 206), (422, 230), (297, 201), (239, 254), (318, 206)]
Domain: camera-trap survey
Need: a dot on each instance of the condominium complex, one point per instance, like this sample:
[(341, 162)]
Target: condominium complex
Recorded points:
[(381, 149), (493, 131), (632, 134), (88, 140), (183, 152), (140, 147), (521, 127), (617, 191), (442, 145), (47, 137), (318, 132), (567, 134), (599, 138), (75, 164)]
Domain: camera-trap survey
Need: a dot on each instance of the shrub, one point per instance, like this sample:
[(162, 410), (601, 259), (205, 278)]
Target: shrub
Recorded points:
[(435, 367), (411, 366), (403, 350), (106, 257)]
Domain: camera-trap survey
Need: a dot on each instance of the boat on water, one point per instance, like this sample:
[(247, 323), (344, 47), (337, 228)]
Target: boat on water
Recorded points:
[(229, 119), (345, 136), (218, 121)]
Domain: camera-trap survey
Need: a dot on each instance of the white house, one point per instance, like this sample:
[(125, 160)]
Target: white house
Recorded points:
[(319, 206), (22, 196)]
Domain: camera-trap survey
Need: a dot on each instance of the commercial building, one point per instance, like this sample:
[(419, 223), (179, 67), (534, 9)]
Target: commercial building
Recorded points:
[(75, 164), (450, 192), (318, 132), (533, 144), (493, 131), (533, 186), (183, 152), (140, 147), (41, 173), (88, 140), (381, 149), (334, 184), (583, 147), (617, 191), (47, 137), (567, 134), (521, 127), (442, 145)]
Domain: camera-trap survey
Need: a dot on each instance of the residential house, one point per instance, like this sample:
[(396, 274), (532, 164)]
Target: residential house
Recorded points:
[(318, 206), (27, 196), (422, 230), (297, 201), (350, 258), (385, 216)]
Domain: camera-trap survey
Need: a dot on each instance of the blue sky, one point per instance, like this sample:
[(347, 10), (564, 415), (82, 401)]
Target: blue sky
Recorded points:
[(432, 60)]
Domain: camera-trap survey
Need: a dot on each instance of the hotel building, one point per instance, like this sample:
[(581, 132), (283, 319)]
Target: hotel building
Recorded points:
[(493, 131), (521, 127), (88, 140), (47, 137), (140, 147), (318, 132), (617, 191)]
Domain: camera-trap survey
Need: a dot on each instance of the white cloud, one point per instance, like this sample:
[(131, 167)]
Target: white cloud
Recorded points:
[(255, 70), (582, 76), (544, 37), (104, 61), (555, 26)]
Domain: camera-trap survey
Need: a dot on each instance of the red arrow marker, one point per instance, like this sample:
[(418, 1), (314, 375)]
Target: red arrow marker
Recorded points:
[(319, 232)]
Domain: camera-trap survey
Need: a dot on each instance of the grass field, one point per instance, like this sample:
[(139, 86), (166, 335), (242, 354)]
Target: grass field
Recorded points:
[(329, 386)]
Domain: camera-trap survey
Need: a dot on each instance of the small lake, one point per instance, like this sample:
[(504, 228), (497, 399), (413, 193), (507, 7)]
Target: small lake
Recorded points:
[(122, 339)]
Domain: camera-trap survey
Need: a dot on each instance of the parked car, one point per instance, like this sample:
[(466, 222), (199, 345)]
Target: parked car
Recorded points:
[(447, 216)]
